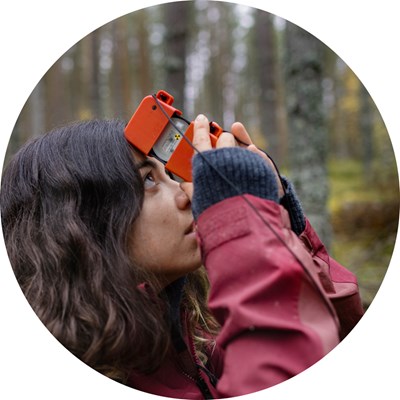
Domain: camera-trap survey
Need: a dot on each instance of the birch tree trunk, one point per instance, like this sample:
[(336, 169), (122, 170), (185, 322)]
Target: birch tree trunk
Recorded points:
[(307, 126)]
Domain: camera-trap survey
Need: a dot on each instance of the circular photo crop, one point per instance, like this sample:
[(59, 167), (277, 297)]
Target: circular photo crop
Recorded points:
[(199, 199)]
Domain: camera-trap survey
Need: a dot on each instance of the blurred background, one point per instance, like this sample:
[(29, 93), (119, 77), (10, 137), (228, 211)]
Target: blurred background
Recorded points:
[(299, 101)]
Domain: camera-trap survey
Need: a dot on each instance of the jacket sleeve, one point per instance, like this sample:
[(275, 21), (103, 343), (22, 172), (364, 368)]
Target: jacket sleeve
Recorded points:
[(275, 318), (339, 284), (268, 288)]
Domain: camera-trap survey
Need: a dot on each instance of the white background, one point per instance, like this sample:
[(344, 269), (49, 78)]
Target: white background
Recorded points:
[(34, 34)]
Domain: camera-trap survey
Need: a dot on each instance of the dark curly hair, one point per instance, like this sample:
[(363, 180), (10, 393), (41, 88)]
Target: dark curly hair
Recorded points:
[(68, 202)]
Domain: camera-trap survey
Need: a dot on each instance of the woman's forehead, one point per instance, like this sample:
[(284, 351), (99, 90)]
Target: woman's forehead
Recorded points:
[(138, 155), (142, 160)]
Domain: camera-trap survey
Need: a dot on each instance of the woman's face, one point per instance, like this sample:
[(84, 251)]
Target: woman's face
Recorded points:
[(164, 240)]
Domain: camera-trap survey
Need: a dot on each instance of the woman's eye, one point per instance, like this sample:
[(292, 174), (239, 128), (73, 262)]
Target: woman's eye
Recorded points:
[(149, 180)]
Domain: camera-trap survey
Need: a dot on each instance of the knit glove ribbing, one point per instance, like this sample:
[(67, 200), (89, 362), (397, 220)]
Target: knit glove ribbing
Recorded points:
[(292, 204)]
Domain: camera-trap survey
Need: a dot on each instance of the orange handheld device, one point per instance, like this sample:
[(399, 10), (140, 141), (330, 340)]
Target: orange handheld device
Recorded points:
[(158, 129)]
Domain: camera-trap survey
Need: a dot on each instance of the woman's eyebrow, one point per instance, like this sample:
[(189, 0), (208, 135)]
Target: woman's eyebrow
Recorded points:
[(146, 163)]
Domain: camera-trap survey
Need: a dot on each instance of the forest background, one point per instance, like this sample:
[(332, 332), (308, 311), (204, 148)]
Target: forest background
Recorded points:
[(298, 99)]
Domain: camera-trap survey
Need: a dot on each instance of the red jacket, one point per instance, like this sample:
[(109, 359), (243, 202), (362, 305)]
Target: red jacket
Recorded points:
[(282, 303)]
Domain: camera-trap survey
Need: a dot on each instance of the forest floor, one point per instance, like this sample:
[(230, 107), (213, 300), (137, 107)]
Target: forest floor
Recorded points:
[(365, 215)]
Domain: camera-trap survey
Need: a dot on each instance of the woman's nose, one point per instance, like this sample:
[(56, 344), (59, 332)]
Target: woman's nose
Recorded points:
[(184, 195)]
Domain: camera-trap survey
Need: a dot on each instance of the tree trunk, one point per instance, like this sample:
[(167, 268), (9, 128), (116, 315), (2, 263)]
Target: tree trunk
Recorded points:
[(307, 128), (266, 72), (54, 97), (176, 21), (121, 98), (366, 130), (143, 67), (89, 77)]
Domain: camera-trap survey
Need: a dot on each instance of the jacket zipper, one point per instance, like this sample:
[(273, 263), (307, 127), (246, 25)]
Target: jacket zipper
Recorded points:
[(201, 383)]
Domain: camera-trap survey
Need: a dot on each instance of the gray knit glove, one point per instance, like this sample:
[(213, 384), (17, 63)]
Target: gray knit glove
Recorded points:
[(247, 172), (292, 204)]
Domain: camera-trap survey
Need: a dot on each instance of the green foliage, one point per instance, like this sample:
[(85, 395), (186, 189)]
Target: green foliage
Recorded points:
[(364, 218), (348, 185)]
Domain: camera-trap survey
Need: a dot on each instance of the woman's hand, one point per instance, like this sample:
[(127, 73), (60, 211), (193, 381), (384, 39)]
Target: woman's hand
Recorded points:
[(238, 137), (201, 136)]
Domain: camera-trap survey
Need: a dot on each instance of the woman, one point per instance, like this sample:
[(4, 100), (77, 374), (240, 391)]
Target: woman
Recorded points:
[(108, 250)]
